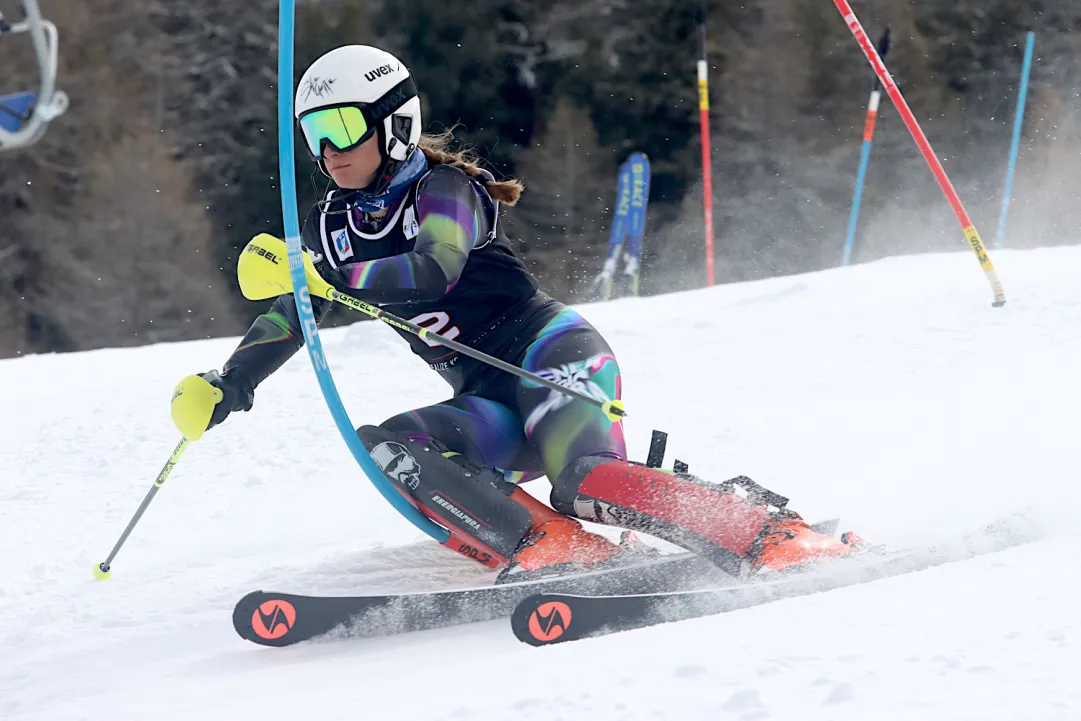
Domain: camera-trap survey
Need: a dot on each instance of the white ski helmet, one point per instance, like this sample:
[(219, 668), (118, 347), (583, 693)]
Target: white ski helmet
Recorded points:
[(379, 89)]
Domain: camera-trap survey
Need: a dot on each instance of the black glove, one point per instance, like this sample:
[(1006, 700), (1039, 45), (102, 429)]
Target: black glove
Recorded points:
[(237, 394)]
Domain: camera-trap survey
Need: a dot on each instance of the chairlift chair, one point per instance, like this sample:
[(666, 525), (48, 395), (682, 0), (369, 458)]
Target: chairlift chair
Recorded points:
[(24, 116)]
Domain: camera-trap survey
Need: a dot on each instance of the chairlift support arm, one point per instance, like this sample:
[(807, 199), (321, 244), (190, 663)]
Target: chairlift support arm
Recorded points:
[(50, 103)]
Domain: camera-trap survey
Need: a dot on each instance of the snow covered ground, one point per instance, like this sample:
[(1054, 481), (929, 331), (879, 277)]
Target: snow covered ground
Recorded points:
[(890, 394)]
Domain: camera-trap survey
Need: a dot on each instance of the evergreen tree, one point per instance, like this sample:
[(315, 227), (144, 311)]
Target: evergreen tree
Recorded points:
[(181, 98), (563, 216)]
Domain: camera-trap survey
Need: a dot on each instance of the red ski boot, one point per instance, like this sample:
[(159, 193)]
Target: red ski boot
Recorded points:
[(740, 532), (788, 542), (555, 547)]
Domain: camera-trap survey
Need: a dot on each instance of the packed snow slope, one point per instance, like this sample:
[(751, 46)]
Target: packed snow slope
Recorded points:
[(890, 394)]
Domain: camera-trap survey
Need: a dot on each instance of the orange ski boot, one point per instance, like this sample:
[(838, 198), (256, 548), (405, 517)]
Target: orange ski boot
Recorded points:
[(555, 547), (788, 542)]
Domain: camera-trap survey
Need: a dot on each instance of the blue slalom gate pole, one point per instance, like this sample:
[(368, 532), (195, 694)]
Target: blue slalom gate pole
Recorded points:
[(865, 154), (1015, 145), (287, 170), (857, 198)]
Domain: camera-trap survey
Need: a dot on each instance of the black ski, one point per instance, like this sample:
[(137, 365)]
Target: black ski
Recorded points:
[(554, 617), (282, 619)]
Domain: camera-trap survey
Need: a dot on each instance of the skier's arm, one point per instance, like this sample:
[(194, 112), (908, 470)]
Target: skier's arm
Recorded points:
[(450, 225), (272, 340), (275, 335)]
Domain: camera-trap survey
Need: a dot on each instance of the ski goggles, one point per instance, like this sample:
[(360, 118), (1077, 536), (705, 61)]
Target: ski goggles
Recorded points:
[(348, 125), (343, 126)]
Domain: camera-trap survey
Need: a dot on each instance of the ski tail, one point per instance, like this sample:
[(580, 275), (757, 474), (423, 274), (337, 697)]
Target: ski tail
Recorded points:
[(272, 619)]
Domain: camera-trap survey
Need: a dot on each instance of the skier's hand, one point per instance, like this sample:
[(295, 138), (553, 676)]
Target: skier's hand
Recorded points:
[(263, 272), (202, 401)]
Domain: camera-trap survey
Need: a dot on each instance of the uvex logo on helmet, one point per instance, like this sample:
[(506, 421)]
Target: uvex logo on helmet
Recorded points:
[(373, 75)]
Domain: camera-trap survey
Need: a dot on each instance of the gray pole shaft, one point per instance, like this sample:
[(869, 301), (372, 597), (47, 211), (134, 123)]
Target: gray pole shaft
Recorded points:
[(393, 320), (166, 469), (131, 524)]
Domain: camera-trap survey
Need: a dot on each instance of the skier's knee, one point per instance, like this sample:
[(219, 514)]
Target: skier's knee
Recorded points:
[(371, 436), (401, 423), (374, 436)]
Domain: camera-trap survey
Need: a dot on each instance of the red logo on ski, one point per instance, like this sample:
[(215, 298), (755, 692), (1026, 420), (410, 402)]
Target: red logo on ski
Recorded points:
[(273, 619), (549, 621)]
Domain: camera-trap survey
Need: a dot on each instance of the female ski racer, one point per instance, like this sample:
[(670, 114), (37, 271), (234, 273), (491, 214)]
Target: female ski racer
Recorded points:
[(415, 229)]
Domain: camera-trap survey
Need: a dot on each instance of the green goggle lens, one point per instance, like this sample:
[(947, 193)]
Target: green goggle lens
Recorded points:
[(343, 127)]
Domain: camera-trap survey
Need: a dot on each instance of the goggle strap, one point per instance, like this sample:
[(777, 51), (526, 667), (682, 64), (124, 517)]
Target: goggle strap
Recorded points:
[(393, 99)]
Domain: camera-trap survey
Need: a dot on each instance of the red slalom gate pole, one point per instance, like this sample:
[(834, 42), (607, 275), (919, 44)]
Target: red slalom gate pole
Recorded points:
[(707, 175), (928, 152)]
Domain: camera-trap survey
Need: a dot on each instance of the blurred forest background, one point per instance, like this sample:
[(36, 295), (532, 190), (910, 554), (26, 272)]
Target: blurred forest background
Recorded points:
[(122, 226)]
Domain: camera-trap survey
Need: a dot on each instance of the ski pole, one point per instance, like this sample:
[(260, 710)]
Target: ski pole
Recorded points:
[(262, 276), (103, 570)]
